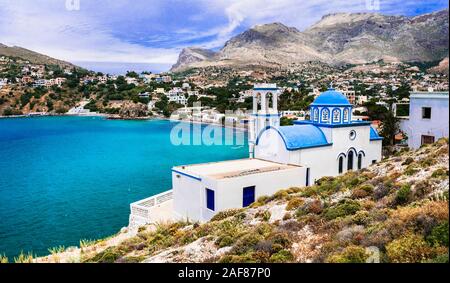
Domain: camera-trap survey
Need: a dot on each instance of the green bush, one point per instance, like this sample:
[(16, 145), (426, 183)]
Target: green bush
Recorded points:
[(351, 254), (408, 249), (225, 241), (225, 214), (443, 258), (294, 203), (282, 257), (247, 258), (343, 208), (408, 161), (439, 235), (363, 191), (410, 170), (246, 243), (440, 173), (403, 194)]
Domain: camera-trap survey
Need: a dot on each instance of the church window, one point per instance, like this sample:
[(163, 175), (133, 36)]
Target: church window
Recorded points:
[(345, 115), (325, 115), (336, 116), (341, 164), (350, 161), (352, 134), (316, 114), (360, 156)]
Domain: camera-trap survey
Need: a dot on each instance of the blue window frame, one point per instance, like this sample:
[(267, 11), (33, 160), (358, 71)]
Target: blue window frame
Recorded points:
[(307, 176), (248, 196), (210, 203)]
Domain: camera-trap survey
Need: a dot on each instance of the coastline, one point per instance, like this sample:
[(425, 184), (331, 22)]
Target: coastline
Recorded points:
[(115, 117)]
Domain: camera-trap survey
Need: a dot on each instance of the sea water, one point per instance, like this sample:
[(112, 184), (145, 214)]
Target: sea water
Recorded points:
[(63, 179)]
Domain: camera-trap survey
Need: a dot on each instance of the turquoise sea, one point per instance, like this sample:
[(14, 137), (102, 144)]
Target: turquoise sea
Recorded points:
[(63, 179)]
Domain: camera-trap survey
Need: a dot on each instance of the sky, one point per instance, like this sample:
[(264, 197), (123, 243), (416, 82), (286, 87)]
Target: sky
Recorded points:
[(153, 32)]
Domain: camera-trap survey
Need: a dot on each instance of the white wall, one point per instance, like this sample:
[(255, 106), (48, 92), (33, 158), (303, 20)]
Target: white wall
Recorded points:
[(190, 194), (187, 200), (437, 126), (271, 147), (322, 161)]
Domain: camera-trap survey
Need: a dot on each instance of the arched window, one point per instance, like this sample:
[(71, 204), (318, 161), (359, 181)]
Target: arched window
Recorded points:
[(341, 164), (345, 115), (350, 161), (316, 114), (336, 116), (360, 156), (325, 115)]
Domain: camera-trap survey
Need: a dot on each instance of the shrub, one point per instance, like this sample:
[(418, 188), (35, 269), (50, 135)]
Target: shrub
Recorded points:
[(315, 207), (294, 203), (266, 215), (408, 161), (361, 217), (422, 188), (225, 241), (237, 259), (3, 258), (439, 235), (282, 256), (280, 195), (281, 238), (351, 254), (11, 111), (408, 249), (442, 258), (440, 173), (410, 170), (287, 216), (225, 214), (343, 208), (362, 191), (381, 191), (403, 194), (246, 243), (24, 258), (426, 162)]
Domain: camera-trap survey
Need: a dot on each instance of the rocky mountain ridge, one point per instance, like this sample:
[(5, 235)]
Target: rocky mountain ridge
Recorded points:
[(342, 38), (33, 57)]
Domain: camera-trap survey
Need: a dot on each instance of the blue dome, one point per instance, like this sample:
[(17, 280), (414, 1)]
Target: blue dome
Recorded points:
[(300, 136), (331, 97)]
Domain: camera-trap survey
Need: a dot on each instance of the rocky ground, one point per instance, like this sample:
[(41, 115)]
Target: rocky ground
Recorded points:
[(394, 211)]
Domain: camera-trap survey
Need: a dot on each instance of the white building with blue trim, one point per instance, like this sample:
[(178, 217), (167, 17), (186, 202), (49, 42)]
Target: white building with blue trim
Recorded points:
[(328, 144)]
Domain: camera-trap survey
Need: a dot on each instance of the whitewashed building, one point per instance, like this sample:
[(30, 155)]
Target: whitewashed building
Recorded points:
[(328, 144), (428, 118)]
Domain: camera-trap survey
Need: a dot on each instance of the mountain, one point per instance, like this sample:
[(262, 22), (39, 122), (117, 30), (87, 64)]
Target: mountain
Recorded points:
[(442, 68), (339, 38), (192, 55), (33, 57), (396, 209)]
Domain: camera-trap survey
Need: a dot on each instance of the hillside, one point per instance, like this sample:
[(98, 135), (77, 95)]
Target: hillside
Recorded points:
[(341, 38), (33, 57), (397, 209)]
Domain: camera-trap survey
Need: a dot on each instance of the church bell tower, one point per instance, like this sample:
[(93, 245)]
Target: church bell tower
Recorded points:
[(265, 112)]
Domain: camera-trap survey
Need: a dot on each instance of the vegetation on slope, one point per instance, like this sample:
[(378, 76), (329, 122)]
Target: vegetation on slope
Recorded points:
[(394, 211)]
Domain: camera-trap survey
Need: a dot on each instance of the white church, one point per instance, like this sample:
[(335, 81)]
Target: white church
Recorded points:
[(328, 144)]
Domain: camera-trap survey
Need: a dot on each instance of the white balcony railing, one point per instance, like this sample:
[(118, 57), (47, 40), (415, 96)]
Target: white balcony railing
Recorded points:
[(142, 212)]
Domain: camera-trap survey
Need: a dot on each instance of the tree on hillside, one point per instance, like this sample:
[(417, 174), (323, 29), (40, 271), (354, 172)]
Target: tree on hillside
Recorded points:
[(390, 126)]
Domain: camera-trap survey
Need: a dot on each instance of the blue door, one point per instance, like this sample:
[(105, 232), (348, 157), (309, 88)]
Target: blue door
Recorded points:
[(210, 202), (248, 196)]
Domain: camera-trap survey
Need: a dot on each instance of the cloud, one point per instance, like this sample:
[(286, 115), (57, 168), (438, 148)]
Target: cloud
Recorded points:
[(47, 27), (154, 31)]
